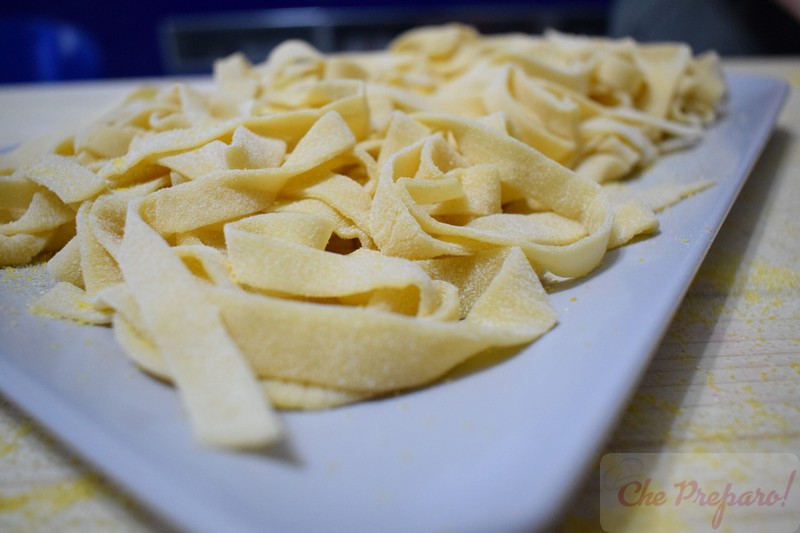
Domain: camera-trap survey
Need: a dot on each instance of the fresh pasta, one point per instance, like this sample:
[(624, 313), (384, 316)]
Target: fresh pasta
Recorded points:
[(317, 229)]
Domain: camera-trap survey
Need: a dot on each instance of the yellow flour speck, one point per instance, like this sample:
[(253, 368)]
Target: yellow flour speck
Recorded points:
[(56, 497)]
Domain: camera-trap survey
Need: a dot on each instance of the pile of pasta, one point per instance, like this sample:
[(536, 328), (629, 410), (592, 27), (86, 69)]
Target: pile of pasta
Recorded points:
[(320, 229)]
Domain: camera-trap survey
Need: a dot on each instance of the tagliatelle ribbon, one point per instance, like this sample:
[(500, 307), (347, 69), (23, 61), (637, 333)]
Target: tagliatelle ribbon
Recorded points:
[(220, 392), (321, 229)]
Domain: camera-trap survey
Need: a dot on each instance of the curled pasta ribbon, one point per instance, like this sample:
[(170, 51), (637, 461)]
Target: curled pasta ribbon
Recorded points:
[(318, 230), (409, 231)]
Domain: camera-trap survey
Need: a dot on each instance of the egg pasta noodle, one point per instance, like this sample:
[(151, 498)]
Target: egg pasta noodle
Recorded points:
[(318, 229)]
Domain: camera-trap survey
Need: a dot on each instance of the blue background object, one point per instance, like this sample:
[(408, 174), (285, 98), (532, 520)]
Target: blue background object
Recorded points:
[(42, 49), (75, 39)]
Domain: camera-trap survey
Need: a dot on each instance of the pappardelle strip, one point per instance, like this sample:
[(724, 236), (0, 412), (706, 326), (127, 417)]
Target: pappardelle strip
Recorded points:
[(317, 230)]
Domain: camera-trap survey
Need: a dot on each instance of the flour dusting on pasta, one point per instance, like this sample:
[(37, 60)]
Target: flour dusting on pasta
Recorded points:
[(317, 229)]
